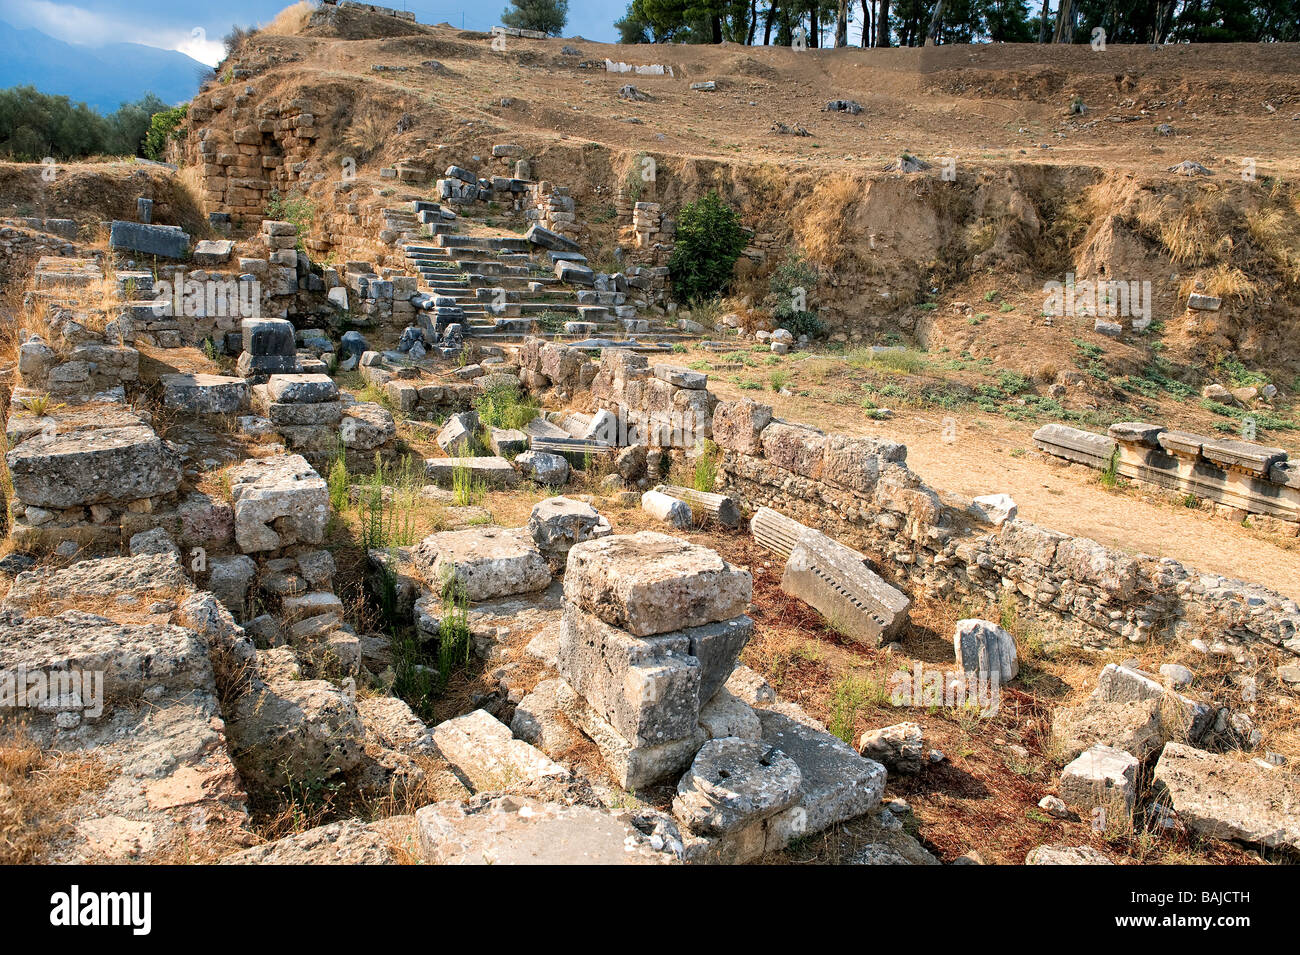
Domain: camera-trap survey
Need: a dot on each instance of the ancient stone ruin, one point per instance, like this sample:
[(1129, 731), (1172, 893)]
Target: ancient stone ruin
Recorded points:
[(426, 526)]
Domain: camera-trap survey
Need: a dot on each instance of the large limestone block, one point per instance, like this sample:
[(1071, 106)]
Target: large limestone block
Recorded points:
[(487, 562), (511, 830), (205, 394), (539, 720), (631, 766), (156, 575), (1225, 798), (350, 842), (484, 752), (799, 450), (458, 434), (836, 783), (650, 583), (647, 688), (367, 425), (126, 659), (558, 523), (734, 783), (1133, 726), (832, 579), (295, 731), (93, 467), (492, 471), (302, 389), (279, 500)]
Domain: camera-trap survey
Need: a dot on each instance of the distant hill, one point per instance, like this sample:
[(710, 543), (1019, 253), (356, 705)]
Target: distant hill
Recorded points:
[(104, 77)]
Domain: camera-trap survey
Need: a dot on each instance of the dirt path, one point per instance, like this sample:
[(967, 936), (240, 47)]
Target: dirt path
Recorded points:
[(1062, 497)]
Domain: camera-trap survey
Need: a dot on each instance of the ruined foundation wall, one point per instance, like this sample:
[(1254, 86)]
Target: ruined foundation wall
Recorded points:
[(861, 490)]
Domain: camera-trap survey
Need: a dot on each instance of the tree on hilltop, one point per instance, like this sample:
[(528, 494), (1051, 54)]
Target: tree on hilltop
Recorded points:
[(544, 16)]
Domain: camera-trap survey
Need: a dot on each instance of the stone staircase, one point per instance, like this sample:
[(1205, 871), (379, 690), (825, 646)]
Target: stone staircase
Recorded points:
[(502, 287)]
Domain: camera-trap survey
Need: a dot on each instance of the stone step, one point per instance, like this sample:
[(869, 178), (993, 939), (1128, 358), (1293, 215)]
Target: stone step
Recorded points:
[(484, 243)]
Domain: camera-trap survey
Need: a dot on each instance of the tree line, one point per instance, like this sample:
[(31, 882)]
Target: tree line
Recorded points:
[(818, 23), (35, 126)]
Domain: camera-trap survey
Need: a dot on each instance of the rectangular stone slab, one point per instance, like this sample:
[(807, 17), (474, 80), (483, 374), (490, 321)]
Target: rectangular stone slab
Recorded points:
[(487, 561), (1073, 444), (833, 580), (485, 753), (493, 471), (93, 467), (1225, 798), (650, 583), (519, 831), (836, 784)]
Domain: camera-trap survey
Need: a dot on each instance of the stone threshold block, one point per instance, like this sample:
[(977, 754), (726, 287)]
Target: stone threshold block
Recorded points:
[(494, 472), (486, 755), (650, 583), (487, 562), (278, 501), (511, 830)]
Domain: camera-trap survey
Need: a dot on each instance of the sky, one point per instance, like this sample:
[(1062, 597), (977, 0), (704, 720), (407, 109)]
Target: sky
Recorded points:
[(196, 28)]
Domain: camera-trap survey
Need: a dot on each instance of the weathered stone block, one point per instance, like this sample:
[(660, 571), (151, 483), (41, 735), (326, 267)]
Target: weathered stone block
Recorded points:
[(92, 467), (279, 500), (735, 783), (1224, 798), (205, 394), (651, 583), (486, 561)]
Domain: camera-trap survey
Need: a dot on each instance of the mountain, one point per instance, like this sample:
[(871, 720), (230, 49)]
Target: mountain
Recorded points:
[(104, 77)]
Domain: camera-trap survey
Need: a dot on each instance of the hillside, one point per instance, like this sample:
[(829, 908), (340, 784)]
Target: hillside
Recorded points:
[(1042, 188)]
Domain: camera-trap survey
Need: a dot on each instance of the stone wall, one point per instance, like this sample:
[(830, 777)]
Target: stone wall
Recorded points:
[(861, 490), (256, 150)]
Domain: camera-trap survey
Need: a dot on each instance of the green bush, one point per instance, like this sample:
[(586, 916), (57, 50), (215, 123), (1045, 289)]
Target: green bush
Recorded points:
[(294, 207), (164, 127), (709, 240), (504, 405)]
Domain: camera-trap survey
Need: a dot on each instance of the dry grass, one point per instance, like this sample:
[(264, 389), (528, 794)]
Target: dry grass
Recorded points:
[(825, 220), (290, 21), (37, 789)]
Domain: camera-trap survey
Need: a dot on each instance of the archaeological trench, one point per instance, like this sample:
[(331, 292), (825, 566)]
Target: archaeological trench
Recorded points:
[(191, 423)]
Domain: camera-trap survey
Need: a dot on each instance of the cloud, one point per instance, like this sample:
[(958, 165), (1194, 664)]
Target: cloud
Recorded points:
[(196, 44), (73, 24)]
